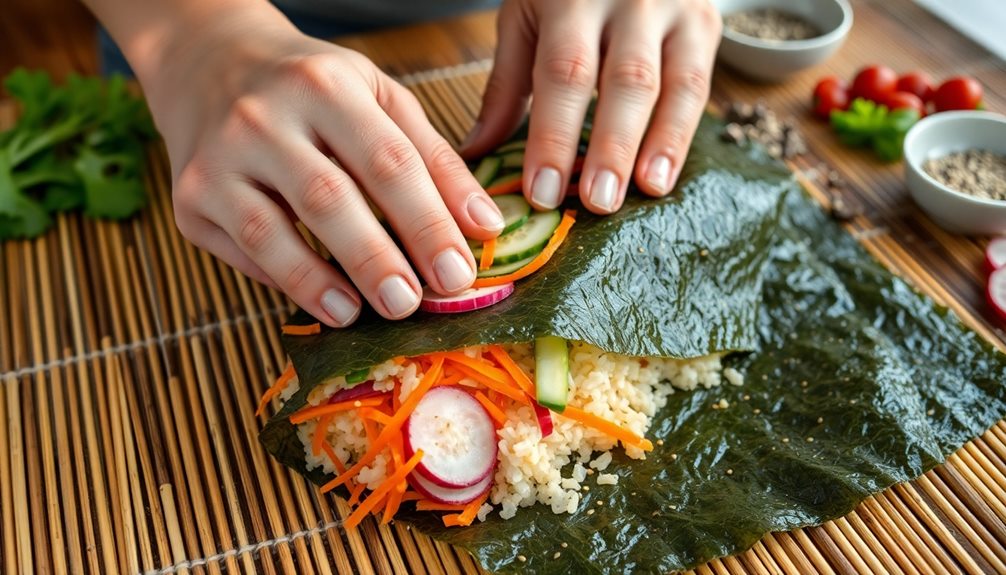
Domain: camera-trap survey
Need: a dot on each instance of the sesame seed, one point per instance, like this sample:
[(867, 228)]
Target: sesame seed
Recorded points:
[(852, 402), (803, 383), (746, 397), (357, 403), (757, 411), (660, 442), (785, 440), (642, 250), (654, 514), (674, 456), (600, 503), (704, 253), (522, 559), (730, 471), (673, 507), (590, 512), (820, 420), (930, 412), (564, 545), (810, 440), (590, 472), (557, 555), (585, 488)]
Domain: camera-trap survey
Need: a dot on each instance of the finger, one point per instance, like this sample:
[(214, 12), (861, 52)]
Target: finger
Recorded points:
[(629, 85), (473, 209), (216, 241), (266, 235), (392, 173), (504, 102), (687, 68), (564, 76)]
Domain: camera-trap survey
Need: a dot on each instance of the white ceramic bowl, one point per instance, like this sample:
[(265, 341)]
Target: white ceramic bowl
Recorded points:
[(773, 60), (939, 135)]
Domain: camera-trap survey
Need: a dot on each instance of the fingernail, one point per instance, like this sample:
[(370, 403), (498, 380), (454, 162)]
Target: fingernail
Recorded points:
[(485, 213), (341, 306), (546, 188), (604, 192), (658, 174), (471, 136), (453, 270), (397, 296)]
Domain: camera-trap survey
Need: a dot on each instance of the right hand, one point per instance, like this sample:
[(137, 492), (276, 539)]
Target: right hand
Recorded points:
[(251, 111)]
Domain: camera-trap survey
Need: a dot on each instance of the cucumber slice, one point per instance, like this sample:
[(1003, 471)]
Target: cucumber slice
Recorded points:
[(515, 146), (551, 372), (514, 159), (487, 169), (358, 376), (515, 211), (525, 241), (504, 269)]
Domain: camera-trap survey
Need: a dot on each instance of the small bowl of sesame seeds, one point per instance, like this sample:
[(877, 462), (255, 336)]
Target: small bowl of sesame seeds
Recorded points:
[(770, 40), (955, 169)]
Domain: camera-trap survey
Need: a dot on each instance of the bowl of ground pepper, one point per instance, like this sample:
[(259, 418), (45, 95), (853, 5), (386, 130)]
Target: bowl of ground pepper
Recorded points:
[(769, 40), (955, 168)]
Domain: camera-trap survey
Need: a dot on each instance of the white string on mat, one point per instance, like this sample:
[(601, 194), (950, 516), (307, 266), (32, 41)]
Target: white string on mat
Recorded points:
[(135, 345), (244, 549), (448, 73)]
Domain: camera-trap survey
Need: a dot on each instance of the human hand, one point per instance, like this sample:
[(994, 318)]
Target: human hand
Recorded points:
[(651, 62), (251, 111)]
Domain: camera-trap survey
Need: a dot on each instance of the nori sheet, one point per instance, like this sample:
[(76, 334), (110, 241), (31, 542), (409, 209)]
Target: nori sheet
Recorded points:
[(859, 382)]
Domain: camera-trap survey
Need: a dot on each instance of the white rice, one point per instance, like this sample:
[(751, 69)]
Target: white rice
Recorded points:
[(624, 390)]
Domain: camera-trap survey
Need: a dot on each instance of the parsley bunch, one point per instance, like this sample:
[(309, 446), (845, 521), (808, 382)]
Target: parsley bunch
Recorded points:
[(75, 147), (868, 124)]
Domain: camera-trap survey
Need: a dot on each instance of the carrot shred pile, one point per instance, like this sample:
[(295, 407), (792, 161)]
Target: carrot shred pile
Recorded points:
[(378, 494), (608, 428), (314, 412), (466, 516), (427, 505), (507, 363), (309, 329), (276, 389), (488, 253), (491, 408), (568, 219)]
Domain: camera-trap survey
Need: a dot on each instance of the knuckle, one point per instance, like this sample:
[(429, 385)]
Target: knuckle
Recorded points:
[(249, 116), (368, 253), (710, 17), (692, 83), (258, 229), (618, 145), (325, 194), (444, 161), (299, 276), (635, 74), (389, 158), (187, 191), (570, 66), (431, 226)]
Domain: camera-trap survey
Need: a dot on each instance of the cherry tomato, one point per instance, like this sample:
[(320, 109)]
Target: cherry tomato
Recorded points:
[(918, 83), (958, 93), (830, 94), (900, 100), (874, 83)]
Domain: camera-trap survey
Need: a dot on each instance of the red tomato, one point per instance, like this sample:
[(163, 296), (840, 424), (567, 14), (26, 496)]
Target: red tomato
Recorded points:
[(874, 83), (830, 94), (958, 93), (899, 100), (918, 83)]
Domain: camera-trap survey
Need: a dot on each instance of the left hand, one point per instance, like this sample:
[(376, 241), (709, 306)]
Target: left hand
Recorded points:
[(651, 62)]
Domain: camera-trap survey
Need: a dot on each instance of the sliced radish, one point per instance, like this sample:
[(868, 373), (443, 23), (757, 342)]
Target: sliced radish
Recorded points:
[(457, 436), (997, 291), (361, 391), (449, 495), (995, 254), (468, 300), (544, 420)]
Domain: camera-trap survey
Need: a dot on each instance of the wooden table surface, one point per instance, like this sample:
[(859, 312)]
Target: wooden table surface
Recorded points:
[(949, 521)]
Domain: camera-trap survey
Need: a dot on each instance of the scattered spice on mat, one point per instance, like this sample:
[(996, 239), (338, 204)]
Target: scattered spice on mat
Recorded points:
[(978, 173), (770, 24), (758, 123), (839, 207)]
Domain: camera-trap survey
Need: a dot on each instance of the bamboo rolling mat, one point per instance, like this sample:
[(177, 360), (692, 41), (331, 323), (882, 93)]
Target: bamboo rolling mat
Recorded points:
[(131, 363)]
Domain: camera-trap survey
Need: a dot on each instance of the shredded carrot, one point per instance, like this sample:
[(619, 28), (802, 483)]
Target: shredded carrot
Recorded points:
[(378, 494), (604, 426), (276, 389), (452, 520), (398, 360), (393, 428), (568, 219), (309, 329), (451, 379), (488, 253), (395, 497), (427, 505), (506, 389), (319, 434), (374, 414), (313, 412), (369, 430), (494, 411), (355, 493), (481, 368), (412, 496), (507, 363), (508, 187), (468, 513)]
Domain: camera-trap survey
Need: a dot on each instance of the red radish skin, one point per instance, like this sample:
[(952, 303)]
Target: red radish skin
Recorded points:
[(468, 300), (995, 254), (457, 436), (448, 495), (359, 391), (544, 420), (996, 291)]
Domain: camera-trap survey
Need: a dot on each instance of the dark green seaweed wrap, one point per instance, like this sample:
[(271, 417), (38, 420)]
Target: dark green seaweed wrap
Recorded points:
[(854, 381)]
